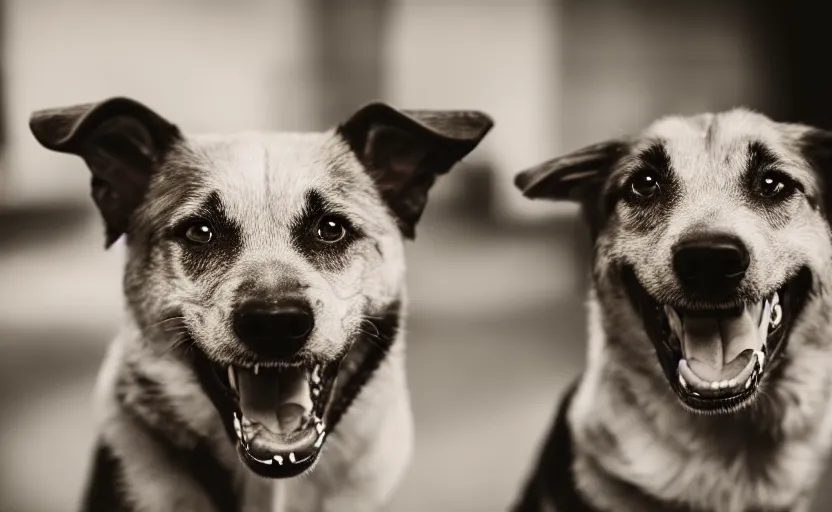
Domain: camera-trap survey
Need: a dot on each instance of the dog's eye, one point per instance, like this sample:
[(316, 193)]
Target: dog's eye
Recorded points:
[(331, 229), (199, 233), (645, 183), (774, 184)]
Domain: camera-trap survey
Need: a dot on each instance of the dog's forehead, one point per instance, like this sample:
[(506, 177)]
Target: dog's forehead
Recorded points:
[(254, 172), (719, 143)]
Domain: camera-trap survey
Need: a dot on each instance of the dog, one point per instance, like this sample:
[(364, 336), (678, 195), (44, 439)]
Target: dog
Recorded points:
[(707, 378), (265, 300)]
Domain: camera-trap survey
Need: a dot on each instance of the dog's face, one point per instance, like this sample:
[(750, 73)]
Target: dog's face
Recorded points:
[(267, 254), (710, 237)]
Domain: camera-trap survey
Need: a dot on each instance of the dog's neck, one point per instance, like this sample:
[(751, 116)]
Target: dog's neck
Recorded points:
[(636, 446), (155, 389)]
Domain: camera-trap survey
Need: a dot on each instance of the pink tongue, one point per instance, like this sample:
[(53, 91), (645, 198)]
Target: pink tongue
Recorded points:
[(277, 400), (718, 348)]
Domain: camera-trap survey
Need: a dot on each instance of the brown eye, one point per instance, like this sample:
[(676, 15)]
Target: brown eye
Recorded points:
[(774, 184), (331, 229), (645, 184), (199, 233)]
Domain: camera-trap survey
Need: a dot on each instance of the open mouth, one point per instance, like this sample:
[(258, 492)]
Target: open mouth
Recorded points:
[(276, 414), (716, 358)]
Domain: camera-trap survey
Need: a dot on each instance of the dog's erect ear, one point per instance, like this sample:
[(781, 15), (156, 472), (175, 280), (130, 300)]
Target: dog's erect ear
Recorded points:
[(563, 178), (404, 151), (121, 141)]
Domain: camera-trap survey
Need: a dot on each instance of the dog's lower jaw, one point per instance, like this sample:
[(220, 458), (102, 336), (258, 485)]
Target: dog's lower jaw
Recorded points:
[(373, 439)]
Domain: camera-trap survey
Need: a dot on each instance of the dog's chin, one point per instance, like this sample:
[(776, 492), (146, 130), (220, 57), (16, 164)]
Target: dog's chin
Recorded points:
[(717, 359), (274, 412)]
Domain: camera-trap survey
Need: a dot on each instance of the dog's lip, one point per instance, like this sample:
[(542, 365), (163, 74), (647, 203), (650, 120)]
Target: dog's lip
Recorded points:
[(279, 454), (793, 293)]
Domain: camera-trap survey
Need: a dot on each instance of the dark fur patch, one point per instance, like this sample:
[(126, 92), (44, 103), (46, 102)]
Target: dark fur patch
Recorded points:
[(143, 399), (218, 254), (331, 257), (816, 148), (378, 333), (104, 491), (763, 162), (645, 214)]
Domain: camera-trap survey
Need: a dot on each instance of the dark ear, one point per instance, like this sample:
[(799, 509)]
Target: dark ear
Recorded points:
[(567, 176), (121, 140), (404, 151), (816, 147)]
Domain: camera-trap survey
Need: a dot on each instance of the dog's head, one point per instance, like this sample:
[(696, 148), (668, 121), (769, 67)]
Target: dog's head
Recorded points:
[(711, 235), (264, 253)]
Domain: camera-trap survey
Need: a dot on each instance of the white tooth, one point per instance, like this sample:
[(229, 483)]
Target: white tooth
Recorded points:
[(714, 385), (319, 427), (237, 428), (673, 319), (320, 441), (232, 378), (292, 457), (761, 358), (732, 383), (776, 315), (775, 299), (748, 383), (279, 459), (316, 391), (316, 374), (723, 384), (256, 368), (267, 461), (682, 382)]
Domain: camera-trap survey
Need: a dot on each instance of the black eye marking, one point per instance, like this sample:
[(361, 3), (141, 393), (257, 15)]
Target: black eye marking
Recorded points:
[(210, 240), (766, 182), (652, 176), (324, 235)]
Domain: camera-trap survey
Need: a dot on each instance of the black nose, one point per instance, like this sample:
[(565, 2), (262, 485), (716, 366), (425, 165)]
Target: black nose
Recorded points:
[(710, 263), (274, 329)]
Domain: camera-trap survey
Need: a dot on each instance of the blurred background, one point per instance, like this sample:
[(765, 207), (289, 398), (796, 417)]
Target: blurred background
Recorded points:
[(497, 283)]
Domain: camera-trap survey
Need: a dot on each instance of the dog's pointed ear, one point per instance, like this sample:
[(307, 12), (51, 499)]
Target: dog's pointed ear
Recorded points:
[(564, 177), (121, 141), (404, 151)]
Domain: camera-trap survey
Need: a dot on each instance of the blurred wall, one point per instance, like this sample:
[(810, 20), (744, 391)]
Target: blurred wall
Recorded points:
[(206, 64)]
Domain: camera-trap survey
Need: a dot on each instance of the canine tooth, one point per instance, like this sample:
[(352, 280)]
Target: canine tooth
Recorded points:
[(292, 457), (237, 428), (732, 383), (320, 441), (748, 383), (714, 385), (761, 358), (316, 374), (776, 315), (682, 382), (232, 378)]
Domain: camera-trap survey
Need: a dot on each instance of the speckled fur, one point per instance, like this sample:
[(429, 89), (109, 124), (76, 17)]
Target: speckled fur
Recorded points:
[(628, 425), (147, 387)]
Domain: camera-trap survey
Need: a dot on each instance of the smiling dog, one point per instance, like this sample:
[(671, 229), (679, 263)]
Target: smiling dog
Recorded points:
[(707, 386), (264, 286)]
